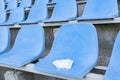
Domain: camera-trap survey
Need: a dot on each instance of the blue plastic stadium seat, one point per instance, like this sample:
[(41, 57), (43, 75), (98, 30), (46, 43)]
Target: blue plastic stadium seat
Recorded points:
[(113, 72), (11, 4), (4, 39), (77, 42), (37, 14), (26, 3), (28, 46), (16, 15), (64, 10), (2, 5), (98, 9)]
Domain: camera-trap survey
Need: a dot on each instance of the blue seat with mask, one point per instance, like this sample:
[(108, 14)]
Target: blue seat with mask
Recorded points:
[(77, 42), (112, 72), (28, 46), (64, 11), (98, 9)]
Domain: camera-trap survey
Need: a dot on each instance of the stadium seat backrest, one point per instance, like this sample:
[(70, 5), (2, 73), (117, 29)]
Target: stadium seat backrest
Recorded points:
[(16, 15), (2, 16), (26, 3), (72, 40), (112, 72), (64, 10), (4, 39), (2, 5), (38, 13), (11, 4), (98, 9), (30, 39)]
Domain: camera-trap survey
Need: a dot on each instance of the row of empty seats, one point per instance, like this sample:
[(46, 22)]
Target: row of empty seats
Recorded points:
[(8, 4), (64, 11), (78, 42), (14, 4), (27, 49)]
